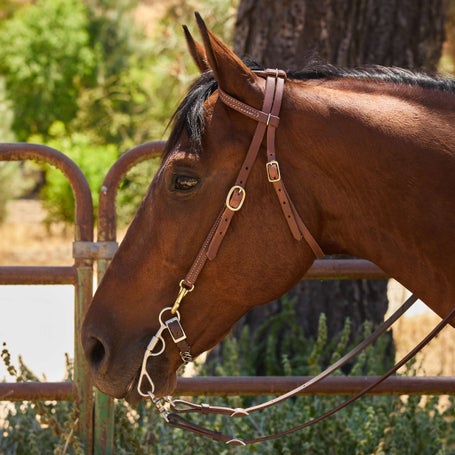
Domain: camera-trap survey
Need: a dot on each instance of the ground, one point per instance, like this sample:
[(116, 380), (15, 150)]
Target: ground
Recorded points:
[(25, 240)]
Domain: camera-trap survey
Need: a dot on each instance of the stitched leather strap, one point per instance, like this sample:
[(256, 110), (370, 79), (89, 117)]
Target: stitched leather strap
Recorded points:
[(268, 121), (296, 225)]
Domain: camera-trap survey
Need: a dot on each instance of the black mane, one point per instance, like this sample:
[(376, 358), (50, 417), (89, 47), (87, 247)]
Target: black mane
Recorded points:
[(376, 73), (189, 115)]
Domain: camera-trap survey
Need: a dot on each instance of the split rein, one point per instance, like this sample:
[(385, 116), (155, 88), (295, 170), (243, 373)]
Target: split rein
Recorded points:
[(169, 318)]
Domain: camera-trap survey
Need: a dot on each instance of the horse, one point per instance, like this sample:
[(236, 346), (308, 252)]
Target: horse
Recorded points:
[(368, 159)]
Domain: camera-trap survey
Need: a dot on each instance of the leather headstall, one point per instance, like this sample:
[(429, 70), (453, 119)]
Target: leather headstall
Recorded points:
[(268, 121)]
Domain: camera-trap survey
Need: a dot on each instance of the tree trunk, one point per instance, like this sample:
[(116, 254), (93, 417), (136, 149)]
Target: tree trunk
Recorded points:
[(405, 33), (284, 34)]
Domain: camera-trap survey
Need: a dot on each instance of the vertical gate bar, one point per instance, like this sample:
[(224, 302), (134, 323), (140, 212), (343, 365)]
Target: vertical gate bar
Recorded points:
[(104, 424), (84, 388), (104, 405)]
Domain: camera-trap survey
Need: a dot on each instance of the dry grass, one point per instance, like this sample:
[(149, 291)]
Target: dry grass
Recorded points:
[(438, 358), (24, 240)]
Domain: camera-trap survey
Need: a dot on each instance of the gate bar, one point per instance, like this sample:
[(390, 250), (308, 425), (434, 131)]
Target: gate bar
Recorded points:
[(31, 391), (333, 385), (37, 275), (254, 386), (322, 269)]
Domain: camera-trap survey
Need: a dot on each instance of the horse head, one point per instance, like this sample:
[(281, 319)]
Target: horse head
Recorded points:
[(257, 261)]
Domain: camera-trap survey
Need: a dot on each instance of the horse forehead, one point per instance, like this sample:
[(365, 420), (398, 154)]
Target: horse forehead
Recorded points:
[(183, 153)]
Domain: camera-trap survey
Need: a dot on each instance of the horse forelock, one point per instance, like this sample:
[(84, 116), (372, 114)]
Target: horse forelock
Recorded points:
[(189, 116)]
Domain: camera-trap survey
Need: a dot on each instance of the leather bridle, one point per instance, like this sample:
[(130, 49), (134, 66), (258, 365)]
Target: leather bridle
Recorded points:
[(268, 121), (169, 317)]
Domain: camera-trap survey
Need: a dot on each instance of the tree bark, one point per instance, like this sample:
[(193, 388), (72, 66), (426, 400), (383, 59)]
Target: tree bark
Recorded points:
[(405, 33), (284, 34)]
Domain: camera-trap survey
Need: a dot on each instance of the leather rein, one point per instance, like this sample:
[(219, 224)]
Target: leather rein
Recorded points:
[(169, 317)]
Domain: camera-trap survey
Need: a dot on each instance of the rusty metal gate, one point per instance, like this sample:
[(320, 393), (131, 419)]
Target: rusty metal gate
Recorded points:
[(96, 411)]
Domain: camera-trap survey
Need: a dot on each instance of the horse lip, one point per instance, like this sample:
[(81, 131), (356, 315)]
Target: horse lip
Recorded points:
[(132, 383)]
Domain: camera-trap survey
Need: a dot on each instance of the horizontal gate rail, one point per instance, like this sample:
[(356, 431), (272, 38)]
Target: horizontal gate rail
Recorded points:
[(344, 269), (37, 391), (336, 385), (38, 275), (322, 269), (254, 386)]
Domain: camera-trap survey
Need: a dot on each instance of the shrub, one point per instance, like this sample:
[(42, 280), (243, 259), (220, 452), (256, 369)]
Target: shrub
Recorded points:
[(38, 428), (95, 161)]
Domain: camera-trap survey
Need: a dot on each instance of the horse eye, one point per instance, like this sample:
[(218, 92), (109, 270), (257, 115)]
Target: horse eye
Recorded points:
[(185, 182)]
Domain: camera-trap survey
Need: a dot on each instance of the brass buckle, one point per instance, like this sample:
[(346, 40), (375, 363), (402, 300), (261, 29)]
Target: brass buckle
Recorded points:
[(242, 193), (277, 167)]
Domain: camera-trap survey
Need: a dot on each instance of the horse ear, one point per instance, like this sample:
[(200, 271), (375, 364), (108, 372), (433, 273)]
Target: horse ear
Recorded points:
[(232, 75), (197, 51)]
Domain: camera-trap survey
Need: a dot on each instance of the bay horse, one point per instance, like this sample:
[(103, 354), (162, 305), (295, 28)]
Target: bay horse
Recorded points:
[(368, 159)]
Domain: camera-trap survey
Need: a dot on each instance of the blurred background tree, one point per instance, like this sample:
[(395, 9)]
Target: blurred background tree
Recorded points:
[(93, 78), (46, 60)]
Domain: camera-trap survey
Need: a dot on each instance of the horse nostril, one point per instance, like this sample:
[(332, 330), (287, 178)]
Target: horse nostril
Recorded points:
[(96, 353)]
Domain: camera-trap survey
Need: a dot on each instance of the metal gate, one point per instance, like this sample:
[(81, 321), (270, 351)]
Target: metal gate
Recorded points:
[(96, 411), (80, 275)]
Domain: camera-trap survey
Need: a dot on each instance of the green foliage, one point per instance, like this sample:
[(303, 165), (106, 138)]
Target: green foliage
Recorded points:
[(6, 115), (170, 64), (94, 160), (9, 172), (133, 188), (116, 108), (373, 425), (45, 59), (12, 182)]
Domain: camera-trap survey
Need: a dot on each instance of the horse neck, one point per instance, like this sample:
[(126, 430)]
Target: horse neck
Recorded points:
[(381, 170)]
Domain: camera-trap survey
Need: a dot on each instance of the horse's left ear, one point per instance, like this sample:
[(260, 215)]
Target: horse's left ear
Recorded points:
[(232, 75), (197, 51)]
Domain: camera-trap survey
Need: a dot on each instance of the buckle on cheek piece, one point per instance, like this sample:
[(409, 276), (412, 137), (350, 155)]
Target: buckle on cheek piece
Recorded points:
[(235, 198), (273, 171)]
